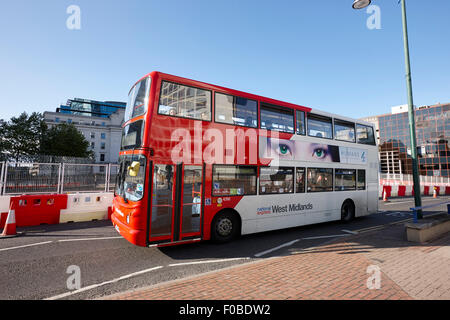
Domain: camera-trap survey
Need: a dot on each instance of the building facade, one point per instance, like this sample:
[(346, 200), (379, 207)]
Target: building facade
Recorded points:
[(85, 107), (432, 135), (102, 128)]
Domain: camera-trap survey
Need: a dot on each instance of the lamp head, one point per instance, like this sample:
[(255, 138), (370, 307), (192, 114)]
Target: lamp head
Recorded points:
[(360, 4)]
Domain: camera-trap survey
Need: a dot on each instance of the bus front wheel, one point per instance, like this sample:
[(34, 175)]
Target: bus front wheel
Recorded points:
[(347, 211), (225, 227)]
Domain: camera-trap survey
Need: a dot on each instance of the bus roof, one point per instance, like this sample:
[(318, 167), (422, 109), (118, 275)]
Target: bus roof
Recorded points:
[(157, 74)]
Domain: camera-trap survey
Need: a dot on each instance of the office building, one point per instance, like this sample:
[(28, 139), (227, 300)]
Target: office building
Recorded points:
[(99, 122), (432, 135)]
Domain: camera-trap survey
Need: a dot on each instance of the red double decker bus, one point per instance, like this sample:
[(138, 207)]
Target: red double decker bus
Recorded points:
[(200, 161)]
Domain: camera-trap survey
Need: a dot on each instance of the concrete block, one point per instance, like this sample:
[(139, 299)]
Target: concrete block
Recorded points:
[(428, 229)]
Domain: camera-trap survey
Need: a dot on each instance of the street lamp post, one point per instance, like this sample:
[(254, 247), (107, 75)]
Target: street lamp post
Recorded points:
[(359, 4)]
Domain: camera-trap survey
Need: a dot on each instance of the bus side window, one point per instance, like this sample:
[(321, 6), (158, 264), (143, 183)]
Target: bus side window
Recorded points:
[(361, 179)]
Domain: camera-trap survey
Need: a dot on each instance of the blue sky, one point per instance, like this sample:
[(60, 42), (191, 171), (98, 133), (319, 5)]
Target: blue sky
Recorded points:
[(314, 53)]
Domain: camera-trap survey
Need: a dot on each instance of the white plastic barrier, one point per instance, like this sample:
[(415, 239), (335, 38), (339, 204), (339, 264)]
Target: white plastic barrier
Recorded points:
[(409, 191), (4, 209), (4, 203), (86, 207), (394, 191)]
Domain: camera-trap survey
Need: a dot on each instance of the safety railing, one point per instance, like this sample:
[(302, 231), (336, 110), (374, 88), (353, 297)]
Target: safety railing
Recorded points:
[(416, 209), (407, 179), (37, 178)]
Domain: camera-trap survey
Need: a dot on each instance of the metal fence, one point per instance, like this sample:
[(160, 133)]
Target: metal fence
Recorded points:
[(407, 179), (31, 178)]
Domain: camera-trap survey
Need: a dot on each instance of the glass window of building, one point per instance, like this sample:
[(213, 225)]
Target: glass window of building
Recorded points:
[(320, 127), (344, 131), (102, 157), (182, 101), (103, 146), (234, 180), (103, 135), (92, 135), (277, 118), (236, 110), (274, 180), (345, 179), (319, 179)]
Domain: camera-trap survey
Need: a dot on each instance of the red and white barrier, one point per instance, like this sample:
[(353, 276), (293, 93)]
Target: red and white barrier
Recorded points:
[(408, 191), (34, 210), (86, 207), (4, 208), (10, 225)]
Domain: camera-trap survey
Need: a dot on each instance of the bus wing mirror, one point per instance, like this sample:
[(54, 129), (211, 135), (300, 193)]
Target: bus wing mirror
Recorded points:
[(133, 170)]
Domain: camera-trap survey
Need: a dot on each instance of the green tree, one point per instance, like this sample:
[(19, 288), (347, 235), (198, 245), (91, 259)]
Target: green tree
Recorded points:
[(21, 136), (3, 141), (65, 140)]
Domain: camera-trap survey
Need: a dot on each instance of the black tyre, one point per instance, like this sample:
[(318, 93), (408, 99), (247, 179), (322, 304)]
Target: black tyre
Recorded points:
[(225, 227), (347, 211)]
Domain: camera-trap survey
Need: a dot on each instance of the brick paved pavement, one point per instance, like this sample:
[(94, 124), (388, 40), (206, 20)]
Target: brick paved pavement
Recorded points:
[(337, 270)]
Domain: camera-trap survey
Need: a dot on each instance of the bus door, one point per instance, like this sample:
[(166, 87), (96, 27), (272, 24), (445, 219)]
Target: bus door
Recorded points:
[(176, 206)]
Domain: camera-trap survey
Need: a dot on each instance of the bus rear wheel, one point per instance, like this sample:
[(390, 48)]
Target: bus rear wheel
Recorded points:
[(347, 211), (225, 227)]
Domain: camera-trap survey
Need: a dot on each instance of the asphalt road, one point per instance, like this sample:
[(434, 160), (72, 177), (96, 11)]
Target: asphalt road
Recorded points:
[(39, 264)]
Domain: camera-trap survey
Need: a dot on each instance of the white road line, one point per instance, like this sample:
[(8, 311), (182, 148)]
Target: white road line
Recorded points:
[(207, 261), (349, 231), (324, 237), (27, 245), (409, 201), (102, 284), (393, 213), (87, 239), (287, 244)]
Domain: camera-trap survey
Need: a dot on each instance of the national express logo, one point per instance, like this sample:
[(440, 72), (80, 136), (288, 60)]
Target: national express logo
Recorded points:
[(293, 207)]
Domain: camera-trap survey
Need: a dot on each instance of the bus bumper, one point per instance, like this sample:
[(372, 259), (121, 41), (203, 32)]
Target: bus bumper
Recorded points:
[(135, 236)]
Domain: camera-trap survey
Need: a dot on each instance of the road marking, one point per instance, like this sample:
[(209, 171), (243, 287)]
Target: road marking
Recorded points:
[(409, 201), (287, 244), (349, 231), (324, 237), (102, 284), (207, 261), (87, 239), (27, 245)]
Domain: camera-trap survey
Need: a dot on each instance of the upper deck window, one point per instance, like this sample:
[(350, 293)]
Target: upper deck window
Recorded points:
[(301, 127), (364, 134), (182, 101), (344, 131), (132, 135), (319, 126), (138, 99), (277, 118), (236, 110)]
